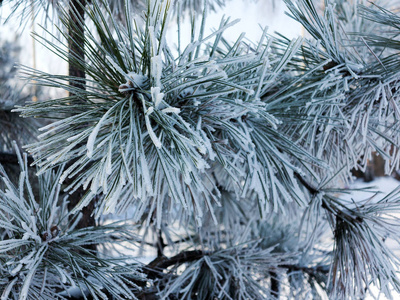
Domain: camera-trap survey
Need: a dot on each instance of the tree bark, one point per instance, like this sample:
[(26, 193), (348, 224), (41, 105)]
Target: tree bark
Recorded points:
[(76, 48), (76, 42)]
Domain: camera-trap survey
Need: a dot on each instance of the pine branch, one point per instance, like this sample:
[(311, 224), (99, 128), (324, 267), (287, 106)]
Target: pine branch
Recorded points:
[(161, 263), (312, 271), (40, 245), (156, 267), (160, 244), (313, 191)]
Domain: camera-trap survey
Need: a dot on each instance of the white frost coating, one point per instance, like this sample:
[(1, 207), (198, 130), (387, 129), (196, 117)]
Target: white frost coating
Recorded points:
[(186, 124), (149, 111), (8, 289), (186, 177), (103, 181), (345, 85), (21, 184), (378, 92), (14, 271), (29, 233), (138, 79), (395, 107), (145, 172), (52, 125), (173, 110), (28, 279), (10, 194), (152, 40), (152, 135), (208, 146), (202, 164), (75, 137), (62, 274), (198, 125), (156, 70), (157, 96), (93, 135), (186, 92), (115, 65), (108, 162), (111, 202), (132, 77), (95, 183), (202, 149), (27, 259)]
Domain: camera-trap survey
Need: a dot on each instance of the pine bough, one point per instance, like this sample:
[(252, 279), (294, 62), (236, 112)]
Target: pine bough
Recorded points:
[(232, 153)]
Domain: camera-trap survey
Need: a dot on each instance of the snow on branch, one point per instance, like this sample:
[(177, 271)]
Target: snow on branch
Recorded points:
[(42, 253)]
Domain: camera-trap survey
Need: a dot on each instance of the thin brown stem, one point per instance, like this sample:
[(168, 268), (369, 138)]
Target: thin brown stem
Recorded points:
[(76, 48), (76, 43)]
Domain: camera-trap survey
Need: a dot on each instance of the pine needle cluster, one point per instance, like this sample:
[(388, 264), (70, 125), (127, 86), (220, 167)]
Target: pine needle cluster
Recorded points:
[(232, 155)]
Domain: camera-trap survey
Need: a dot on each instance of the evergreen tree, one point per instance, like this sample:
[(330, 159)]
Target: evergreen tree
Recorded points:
[(12, 93), (230, 157)]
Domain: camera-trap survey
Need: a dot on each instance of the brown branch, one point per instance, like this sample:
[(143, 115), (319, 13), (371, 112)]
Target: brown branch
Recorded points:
[(76, 49), (309, 270), (156, 268), (313, 191), (159, 264), (76, 43), (160, 244)]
